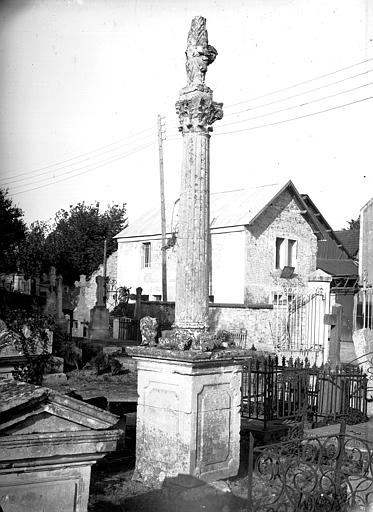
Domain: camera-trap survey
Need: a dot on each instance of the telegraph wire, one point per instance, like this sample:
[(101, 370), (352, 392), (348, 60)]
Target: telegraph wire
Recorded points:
[(296, 106), (78, 162), (298, 94), (299, 83), (295, 118), (86, 171), (82, 154)]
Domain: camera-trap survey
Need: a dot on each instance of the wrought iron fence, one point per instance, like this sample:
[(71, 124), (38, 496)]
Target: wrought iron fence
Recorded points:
[(274, 389), (316, 474), (129, 329)]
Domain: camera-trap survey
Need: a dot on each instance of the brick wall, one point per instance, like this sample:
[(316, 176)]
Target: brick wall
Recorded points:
[(281, 219)]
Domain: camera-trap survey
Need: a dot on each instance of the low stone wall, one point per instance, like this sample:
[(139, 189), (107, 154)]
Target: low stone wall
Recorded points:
[(236, 317), (255, 319)]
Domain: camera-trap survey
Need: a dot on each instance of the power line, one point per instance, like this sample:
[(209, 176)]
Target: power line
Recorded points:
[(85, 172), (73, 163), (299, 83), (296, 106), (299, 93), (79, 156), (295, 118)]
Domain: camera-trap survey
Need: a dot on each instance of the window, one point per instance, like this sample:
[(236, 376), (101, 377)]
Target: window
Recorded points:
[(146, 255), (286, 253)]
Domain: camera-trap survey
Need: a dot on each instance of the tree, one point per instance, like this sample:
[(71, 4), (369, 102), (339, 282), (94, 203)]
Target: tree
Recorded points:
[(32, 252), (353, 224), (76, 244), (12, 233)]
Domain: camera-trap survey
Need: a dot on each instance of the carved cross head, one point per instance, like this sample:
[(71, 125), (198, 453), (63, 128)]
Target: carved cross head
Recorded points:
[(199, 53)]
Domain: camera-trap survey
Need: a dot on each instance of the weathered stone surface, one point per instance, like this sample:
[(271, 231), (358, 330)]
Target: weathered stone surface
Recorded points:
[(99, 323), (363, 343), (188, 418), (54, 379), (148, 328), (48, 443), (197, 112)]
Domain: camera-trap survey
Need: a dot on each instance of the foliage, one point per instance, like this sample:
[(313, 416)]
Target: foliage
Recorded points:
[(76, 244), (12, 232), (353, 224), (30, 334), (32, 253)]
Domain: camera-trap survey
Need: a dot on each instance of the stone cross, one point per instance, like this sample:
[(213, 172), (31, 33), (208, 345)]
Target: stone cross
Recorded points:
[(100, 291), (81, 284), (197, 112), (335, 322)]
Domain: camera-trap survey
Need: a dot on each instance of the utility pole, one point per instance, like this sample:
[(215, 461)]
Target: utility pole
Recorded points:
[(163, 207), (105, 260)]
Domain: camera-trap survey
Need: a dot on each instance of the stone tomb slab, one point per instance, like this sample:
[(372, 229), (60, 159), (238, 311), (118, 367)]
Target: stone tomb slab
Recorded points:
[(48, 443)]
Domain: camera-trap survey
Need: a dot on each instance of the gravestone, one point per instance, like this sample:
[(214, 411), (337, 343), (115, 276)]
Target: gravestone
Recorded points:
[(99, 315), (81, 313)]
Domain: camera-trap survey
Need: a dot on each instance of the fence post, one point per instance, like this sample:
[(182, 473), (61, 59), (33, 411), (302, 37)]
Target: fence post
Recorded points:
[(250, 470), (116, 328)]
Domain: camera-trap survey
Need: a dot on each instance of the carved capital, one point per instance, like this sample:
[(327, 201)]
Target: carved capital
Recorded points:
[(198, 113)]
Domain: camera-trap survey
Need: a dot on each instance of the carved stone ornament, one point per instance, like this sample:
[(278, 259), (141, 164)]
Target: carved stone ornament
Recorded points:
[(199, 53), (198, 112)]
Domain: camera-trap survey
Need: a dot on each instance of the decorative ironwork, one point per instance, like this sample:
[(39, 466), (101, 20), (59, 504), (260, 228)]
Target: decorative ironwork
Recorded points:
[(330, 473), (274, 389)]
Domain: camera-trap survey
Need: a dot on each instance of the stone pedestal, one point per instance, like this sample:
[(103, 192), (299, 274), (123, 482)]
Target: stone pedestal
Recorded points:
[(188, 414), (99, 324)]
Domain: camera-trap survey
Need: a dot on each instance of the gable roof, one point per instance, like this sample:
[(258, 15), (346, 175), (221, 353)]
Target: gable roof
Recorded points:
[(20, 400), (227, 209), (350, 240)]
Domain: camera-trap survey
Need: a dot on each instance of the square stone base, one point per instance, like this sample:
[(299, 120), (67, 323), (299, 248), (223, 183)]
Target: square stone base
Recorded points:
[(188, 419), (33, 489)]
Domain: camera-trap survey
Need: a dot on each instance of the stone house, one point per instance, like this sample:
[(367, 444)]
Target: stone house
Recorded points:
[(261, 238), (267, 275)]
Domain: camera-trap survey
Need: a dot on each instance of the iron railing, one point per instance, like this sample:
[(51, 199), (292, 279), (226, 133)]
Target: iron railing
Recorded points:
[(316, 474), (278, 390), (129, 329)]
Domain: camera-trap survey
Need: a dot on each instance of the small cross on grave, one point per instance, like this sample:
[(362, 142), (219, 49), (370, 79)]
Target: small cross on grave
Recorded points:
[(335, 322)]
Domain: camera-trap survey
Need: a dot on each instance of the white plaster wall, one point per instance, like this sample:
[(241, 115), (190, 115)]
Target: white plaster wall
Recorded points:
[(228, 266), (131, 273)]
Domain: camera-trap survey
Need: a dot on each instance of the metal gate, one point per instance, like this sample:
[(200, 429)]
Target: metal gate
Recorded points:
[(298, 322)]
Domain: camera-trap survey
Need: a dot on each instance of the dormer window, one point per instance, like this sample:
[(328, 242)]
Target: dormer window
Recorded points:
[(286, 253)]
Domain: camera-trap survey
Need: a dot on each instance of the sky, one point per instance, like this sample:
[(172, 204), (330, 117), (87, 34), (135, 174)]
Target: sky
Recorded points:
[(82, 83)]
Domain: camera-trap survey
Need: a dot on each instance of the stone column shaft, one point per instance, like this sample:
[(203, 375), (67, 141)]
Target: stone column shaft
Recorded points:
[(192, 277)]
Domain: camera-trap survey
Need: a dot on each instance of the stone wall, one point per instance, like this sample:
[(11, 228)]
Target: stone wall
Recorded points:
[(231, 317), (281, 219)]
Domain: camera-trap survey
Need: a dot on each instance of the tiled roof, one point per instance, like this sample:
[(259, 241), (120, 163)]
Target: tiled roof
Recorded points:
[(350, 240), (338, 268), (231, 208)]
